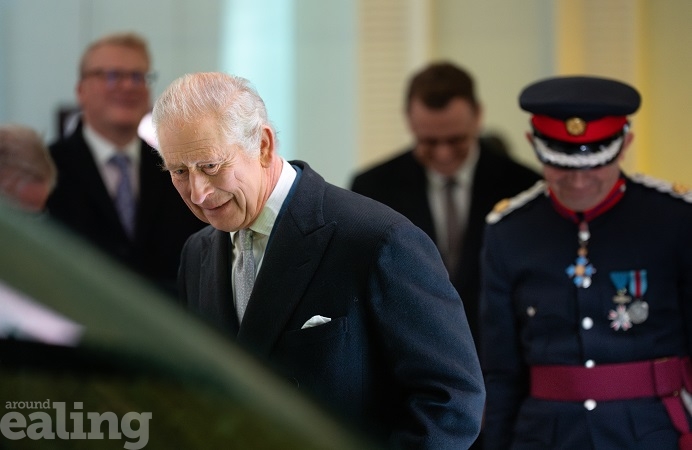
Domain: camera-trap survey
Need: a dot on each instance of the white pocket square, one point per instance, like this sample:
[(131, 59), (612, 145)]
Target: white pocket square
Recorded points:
[(314, 321)]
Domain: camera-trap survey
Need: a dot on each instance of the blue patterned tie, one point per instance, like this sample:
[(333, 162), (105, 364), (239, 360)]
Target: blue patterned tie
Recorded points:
[(125, 201), (243, 271)]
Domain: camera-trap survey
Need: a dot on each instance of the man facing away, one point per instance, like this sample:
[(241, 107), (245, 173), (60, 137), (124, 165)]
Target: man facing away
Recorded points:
[(110, 189), (342, 296)]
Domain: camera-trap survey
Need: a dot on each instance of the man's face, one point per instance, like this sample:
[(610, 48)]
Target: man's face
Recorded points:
[(111, 93), (219, 182), (580, 190), (444, 137), (23, 188)]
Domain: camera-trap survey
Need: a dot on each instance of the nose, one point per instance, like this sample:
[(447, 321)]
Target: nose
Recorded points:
[(578, 178), (444, 152), (199, 187)]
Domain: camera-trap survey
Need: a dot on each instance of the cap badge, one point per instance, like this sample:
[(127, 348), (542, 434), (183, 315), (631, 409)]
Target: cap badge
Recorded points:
[(575, 126)]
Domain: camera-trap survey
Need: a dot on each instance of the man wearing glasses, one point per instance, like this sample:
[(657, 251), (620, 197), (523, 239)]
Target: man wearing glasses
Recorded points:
[(110, 188)]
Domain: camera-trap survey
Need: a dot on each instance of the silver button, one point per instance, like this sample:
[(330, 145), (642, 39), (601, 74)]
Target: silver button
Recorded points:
[(590, 405), (589, 363), (587, 323), (530, 311)]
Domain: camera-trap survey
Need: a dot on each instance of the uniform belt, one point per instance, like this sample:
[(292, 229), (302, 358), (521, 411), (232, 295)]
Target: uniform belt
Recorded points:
[(655, 378), (662, 378)]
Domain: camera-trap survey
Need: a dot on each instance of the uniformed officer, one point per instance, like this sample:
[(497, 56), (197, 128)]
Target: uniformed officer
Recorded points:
[(586, 306)]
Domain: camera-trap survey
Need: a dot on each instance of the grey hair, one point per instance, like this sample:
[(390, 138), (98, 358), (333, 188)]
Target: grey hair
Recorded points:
[(128, 40), (22, 148), (238, 108)]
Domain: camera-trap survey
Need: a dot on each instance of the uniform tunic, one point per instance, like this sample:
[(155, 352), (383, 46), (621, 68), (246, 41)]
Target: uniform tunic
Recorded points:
[(532, 313)]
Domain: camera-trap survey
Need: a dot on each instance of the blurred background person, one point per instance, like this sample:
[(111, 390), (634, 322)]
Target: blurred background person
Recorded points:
[(449, 179), (27, 172), (110, 187), (586, 300)]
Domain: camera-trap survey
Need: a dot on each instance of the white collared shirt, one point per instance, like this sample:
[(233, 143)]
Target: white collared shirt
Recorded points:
[(262, 226), (103, 150), (462, 195)]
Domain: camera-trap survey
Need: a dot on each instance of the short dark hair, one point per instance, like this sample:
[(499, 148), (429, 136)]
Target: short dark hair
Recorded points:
[(438, 83)]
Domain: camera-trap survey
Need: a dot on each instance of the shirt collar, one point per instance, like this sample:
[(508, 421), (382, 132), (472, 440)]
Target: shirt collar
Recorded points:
[(270, 211), (103, 150)]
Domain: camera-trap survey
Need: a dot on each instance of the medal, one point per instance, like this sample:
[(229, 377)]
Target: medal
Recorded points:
[(582, 270), (628, 312), (620, 318), (639, 309), (620, 280), (621, 297)]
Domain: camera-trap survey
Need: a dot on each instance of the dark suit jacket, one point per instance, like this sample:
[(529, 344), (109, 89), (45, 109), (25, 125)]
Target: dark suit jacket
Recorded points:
[(81, 202), (396, 360), (401, 183)]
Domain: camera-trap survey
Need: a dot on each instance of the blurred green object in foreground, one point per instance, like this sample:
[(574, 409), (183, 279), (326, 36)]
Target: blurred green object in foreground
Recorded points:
[(137, 353)]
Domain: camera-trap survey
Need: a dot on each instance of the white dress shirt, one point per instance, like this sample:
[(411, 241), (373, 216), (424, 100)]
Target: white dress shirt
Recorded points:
[(262, 226), (462, 195), (103, 150)]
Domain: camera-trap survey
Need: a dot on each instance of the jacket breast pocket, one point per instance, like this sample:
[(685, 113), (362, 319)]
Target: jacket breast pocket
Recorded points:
[(319, 359), (316, 334)]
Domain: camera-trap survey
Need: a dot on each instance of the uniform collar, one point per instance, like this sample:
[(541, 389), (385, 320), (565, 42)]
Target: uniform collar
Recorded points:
[(614, 196)]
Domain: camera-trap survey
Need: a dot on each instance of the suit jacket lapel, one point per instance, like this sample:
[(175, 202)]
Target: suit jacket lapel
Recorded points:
[(413, 187), (86, 168), (215, 270), (150, 188), (294, 254)]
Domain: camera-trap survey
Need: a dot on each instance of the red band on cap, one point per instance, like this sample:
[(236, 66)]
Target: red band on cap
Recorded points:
[(593, 131)]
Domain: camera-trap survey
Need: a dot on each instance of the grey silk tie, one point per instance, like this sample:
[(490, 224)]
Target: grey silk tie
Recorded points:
[(125, 202), (243, 271), (451, 257)]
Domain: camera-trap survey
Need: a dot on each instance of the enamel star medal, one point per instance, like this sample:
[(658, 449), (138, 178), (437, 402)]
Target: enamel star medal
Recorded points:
[(627, 312), (582, 270)]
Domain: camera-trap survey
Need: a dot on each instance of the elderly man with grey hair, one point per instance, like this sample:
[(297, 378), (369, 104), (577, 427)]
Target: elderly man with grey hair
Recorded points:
[(339, 294)]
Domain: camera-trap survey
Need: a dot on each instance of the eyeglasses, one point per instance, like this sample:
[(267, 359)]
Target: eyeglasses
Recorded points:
[(115, 77), (455, 142)]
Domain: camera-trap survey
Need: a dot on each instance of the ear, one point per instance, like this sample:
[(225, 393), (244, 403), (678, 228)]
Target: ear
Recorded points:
[(529, 137), (79, 92), (629, 137), (267, 146)]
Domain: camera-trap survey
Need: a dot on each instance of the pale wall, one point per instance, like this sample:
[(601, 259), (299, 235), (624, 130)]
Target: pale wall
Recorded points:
[(343, 119)]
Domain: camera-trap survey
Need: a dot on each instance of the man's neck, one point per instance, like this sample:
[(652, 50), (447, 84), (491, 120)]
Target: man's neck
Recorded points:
[(120, 136)]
